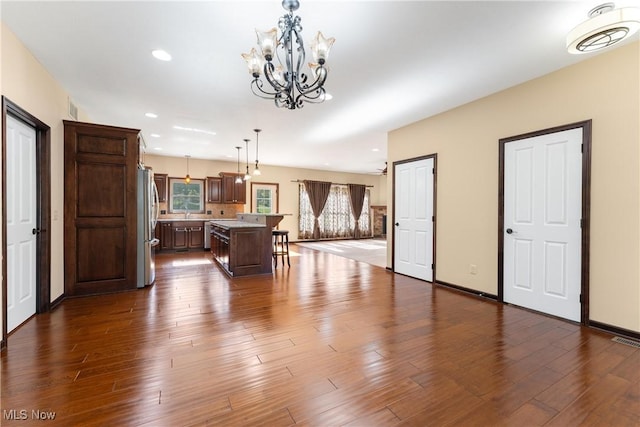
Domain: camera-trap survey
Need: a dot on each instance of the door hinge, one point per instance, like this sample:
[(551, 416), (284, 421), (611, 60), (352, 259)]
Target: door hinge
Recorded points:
[(580, 298), (433, 171), (433, 218), (433, 266), (580, 222), (581, 148)]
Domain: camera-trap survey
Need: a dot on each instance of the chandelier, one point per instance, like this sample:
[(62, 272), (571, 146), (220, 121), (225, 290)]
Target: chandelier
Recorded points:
[(287, 83)]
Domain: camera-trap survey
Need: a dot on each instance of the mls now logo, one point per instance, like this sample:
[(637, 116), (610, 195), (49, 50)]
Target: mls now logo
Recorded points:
[(23, 414)]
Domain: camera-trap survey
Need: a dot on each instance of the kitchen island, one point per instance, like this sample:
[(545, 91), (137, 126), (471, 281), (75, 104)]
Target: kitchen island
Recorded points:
[(241, 248)]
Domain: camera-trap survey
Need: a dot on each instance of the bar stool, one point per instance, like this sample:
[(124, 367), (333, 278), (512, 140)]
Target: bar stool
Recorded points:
[(280, 237)]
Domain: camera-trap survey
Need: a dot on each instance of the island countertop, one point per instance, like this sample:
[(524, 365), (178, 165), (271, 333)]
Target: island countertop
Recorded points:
[(234, 223)]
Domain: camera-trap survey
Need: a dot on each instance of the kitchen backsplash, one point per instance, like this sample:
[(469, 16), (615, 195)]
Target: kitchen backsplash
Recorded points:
[(218, 210)]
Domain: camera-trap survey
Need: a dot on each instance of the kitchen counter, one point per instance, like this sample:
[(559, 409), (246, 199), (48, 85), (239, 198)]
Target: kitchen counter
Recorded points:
[(234, 223)]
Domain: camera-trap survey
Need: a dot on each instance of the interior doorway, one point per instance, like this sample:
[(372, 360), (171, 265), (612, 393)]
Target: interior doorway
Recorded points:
[(12, 114), (544, 221), (414, 195)]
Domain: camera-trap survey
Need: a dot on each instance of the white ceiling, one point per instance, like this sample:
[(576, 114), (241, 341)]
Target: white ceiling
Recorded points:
[(393, 63)]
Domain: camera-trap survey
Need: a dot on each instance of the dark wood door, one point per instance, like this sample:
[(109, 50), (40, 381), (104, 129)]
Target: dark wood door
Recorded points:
[(100, 208)]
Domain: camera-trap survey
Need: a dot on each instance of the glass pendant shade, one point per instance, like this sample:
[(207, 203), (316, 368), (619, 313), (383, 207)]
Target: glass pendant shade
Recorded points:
[(254, 62), (256, 171), (268, 40), (320, 47)]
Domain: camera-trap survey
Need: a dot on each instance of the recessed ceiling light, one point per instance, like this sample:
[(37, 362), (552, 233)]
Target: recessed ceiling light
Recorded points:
[(208, 132), (161, 55), (157, 148), (373, 149), (155, 135), (151, 115)]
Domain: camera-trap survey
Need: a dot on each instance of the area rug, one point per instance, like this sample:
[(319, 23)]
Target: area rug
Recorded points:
[(371, 251)]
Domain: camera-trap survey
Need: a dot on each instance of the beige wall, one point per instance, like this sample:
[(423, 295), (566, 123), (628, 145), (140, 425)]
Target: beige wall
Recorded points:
[(288, 197), (26, 83), (605, 89)]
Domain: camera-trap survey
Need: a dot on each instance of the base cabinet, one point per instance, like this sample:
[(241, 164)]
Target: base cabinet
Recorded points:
[(182, 235), (242, 251)]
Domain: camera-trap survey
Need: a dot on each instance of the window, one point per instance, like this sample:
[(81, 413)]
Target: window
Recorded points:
[(185, 197), (264, 198), (336, 220)]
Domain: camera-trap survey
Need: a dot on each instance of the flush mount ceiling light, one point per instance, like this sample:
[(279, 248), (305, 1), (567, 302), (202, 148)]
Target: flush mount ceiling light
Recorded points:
[(606, 26), (287, 84)]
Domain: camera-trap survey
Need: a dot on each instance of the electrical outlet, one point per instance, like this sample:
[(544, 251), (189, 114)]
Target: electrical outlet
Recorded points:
[(221, 212), (208, 212), (473, 269)]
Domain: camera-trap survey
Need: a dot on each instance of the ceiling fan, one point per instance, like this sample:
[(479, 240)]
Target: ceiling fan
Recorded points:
[(383, 171)]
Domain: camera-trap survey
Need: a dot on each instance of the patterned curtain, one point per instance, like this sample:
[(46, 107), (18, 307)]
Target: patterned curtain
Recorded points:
[(318, 192), (336, 220), (356, 196)]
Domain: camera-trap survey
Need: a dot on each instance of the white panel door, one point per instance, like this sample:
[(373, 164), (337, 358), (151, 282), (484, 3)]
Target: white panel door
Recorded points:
[(413, 210), (21, 222), (542, 213)]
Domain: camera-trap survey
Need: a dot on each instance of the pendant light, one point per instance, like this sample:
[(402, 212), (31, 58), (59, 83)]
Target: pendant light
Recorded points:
[(256, 171), (238, 177), (187, 179), (247, 175)]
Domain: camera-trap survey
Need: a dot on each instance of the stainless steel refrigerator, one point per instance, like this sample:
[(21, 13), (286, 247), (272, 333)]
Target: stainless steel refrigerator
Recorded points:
[(147, 219)]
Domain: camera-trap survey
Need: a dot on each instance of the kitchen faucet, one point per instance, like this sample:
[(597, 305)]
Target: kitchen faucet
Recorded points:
[(186, 214)]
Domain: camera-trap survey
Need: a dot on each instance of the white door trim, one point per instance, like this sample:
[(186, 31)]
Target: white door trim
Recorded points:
[(585, 209)]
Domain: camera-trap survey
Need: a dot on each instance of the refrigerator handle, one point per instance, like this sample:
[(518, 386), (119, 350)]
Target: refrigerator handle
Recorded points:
[(156, 205)]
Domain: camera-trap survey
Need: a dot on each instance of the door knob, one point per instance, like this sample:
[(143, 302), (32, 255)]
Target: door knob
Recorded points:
[(509, 231), (35, 231), (397, 224)]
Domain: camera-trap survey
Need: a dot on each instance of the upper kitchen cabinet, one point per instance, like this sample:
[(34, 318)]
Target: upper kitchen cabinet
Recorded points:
[(214, 189), (232, 191), (100, 208), (161, 184)]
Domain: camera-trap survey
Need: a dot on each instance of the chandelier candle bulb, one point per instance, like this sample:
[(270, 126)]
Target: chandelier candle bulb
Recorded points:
[(320, 48)]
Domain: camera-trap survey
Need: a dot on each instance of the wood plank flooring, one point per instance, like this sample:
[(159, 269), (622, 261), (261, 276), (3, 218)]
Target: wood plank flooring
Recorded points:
[(327, 342)]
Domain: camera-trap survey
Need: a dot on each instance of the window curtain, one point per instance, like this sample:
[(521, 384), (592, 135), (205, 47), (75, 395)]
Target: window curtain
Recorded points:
[(356, 196), (318, 192), (336, 220)]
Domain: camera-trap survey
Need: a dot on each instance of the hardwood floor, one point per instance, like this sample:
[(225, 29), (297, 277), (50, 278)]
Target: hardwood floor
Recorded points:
[(328, 342)]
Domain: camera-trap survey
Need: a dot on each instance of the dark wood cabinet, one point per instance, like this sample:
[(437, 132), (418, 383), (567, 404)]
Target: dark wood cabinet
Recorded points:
[(181, 235), (232, 191), (214, 189), (166, 236), (196, 237), (100, 208), (161, 184), (242, 251)]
